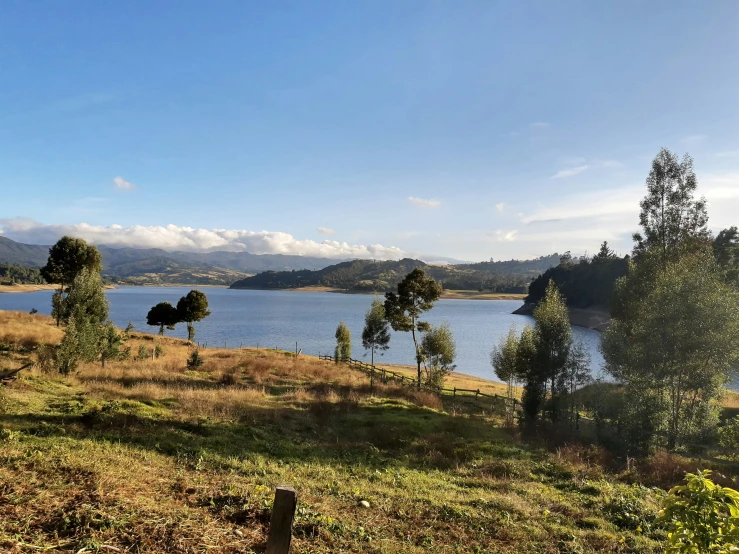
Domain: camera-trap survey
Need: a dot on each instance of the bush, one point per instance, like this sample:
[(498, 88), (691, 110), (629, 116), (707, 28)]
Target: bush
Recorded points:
[(158, 351), (195, 360), (701, 516), (143, 353), (728, 435), (628, 510)]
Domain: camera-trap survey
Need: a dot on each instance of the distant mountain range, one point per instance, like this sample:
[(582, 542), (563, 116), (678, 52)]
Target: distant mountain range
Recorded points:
[(367, 275), (154, 266), (157, 266)]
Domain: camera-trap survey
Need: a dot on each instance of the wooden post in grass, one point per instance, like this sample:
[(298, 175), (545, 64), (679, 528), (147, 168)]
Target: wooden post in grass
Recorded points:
[(281, 522)]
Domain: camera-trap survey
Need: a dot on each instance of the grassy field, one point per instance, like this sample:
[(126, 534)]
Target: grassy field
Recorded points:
[(148, 456)]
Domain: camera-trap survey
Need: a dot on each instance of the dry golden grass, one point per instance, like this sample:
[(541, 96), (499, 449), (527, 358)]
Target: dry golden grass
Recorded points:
[(28, 331)]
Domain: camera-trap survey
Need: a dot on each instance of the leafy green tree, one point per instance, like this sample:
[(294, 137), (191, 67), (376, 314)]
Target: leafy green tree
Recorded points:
[(416, 295), (534, 388), (701, 517), (343, 351), (86, 309), (726, 250), (671, 219), (675, 346), (376, 333), (439, 349), (163, 315), (576, 373), (110, 343), (503, 358), (67, 258), (191, 308), (553, 342)]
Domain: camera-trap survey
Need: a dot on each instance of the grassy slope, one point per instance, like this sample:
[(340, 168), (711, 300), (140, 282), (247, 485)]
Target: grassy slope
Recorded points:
[(146, 456)]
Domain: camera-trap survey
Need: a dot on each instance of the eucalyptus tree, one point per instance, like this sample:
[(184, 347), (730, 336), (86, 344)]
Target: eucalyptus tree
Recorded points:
[(343, 350), (416, 295), (376, 333), (439, 350)]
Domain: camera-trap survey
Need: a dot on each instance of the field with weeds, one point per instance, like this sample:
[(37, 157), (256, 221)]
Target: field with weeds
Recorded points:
[(150, 456)]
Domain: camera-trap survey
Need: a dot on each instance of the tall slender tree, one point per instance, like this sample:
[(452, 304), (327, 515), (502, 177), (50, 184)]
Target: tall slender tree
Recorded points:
[(672, 220), (376, 334), (416, 295)]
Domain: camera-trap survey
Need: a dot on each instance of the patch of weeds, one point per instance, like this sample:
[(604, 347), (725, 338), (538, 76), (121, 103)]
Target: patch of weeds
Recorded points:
[(7, 435), (628, 510), (46, 429)]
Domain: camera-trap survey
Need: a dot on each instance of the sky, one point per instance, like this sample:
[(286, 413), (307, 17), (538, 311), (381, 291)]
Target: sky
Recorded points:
[(442, 129)]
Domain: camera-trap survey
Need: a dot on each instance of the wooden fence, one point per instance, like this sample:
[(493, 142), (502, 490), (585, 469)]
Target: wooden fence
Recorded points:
[(497, 402)]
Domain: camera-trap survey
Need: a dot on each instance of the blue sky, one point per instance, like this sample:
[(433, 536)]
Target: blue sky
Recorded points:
[(458, 129)]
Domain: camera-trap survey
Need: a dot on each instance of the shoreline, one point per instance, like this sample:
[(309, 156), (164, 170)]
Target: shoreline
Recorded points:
[(445, 295), (589, 318)]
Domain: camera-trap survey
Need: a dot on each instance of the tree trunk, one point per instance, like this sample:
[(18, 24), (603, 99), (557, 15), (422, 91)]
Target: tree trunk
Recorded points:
[(418, 357)]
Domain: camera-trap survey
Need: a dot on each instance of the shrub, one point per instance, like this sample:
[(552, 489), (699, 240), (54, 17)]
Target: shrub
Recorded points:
[(701, 516), (728, 434), (158, 351), (195, 360), (143, 353), (628, 510)]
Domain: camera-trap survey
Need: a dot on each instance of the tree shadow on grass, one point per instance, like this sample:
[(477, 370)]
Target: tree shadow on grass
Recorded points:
[(378, 435)]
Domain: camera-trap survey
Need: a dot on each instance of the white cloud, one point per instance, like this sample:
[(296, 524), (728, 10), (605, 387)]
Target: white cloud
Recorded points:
[(570, 171), (500, 207), (424, 203), (173, 237), (326, 231), (505, 236), (121, 183), (539, 125)]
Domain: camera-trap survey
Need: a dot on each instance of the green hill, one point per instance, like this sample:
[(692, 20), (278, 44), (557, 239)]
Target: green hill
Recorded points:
[(370, 275)]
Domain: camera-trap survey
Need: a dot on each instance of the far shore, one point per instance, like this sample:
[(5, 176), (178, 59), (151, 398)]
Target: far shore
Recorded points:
[(35, 288), (447, 294)]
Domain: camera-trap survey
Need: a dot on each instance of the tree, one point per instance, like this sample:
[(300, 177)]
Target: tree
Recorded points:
[(86, 309), (440, 350), (110, 343), (343, 351), (676, 345), (526, 368), (503, 358), (576, 372), (191, 308), (553, 342), (416, 295), (376, 334), (726, 250), (671, 219), (67, 258), (163, 315)]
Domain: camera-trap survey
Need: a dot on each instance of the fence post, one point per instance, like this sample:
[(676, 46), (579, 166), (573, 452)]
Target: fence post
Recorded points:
[(281, 522), (477, 393)]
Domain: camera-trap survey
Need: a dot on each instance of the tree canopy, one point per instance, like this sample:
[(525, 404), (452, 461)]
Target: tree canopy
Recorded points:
[(375, 335), (191, 308), (163, 315), (416, 295)]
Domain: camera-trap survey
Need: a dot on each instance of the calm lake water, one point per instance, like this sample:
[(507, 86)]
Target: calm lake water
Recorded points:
[(280, 319)]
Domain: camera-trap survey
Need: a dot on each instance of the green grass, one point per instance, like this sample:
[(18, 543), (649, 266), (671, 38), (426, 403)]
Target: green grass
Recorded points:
[(150, 457)]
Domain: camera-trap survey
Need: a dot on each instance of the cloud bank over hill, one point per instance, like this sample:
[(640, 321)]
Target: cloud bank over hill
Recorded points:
[(173, 237)]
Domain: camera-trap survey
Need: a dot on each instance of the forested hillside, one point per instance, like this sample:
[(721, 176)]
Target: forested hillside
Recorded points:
[(17, 274), (585, 282), (369, 275)]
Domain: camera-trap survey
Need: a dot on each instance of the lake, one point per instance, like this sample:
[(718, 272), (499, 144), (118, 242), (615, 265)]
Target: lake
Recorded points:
[(282, 318)]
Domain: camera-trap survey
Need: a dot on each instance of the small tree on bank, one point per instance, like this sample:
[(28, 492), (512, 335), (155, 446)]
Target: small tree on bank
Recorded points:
[(376, 333), (553, 342), (191, 308), (439, 350), (163, 315), (343, 351), (416, 295), (503, 358)]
